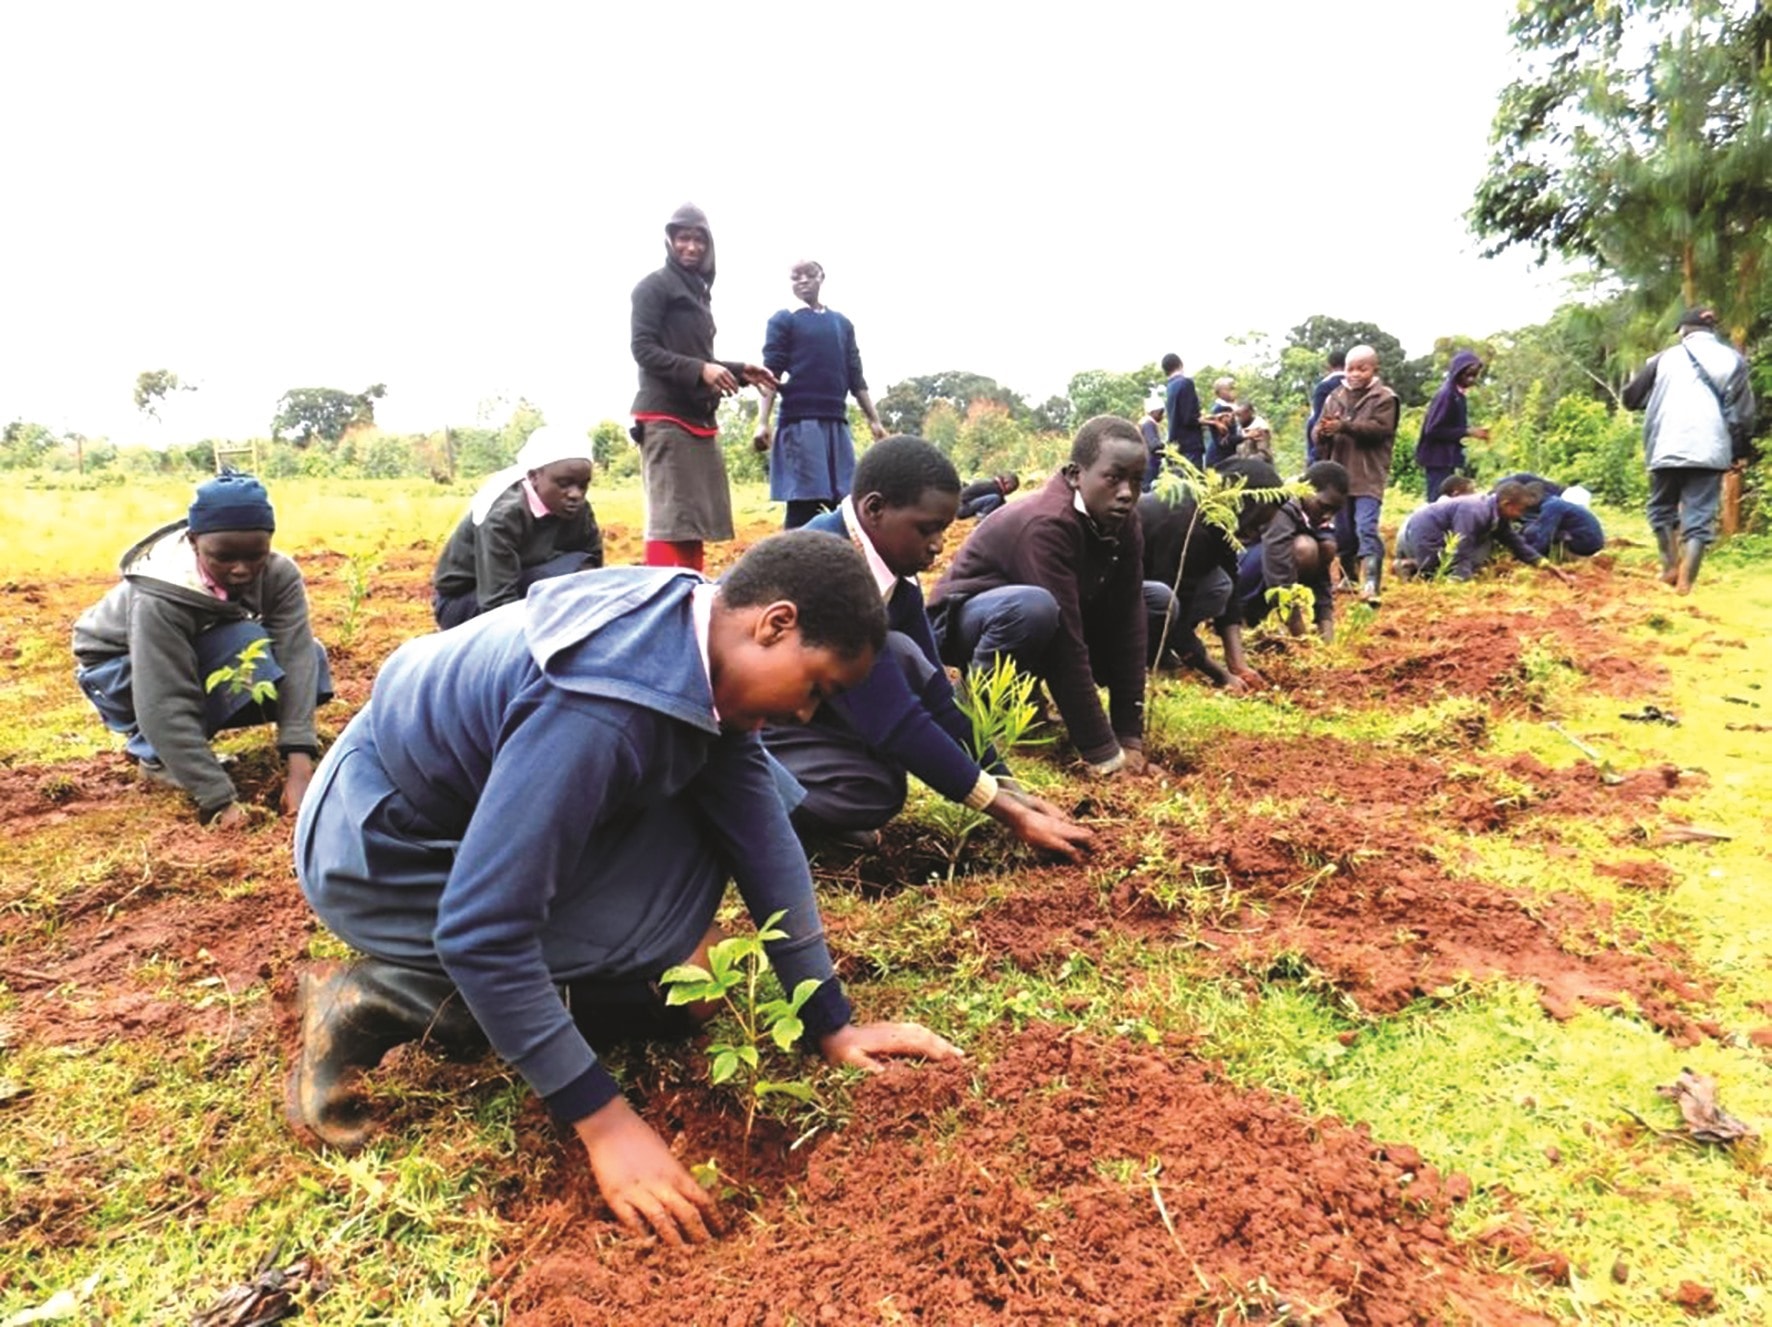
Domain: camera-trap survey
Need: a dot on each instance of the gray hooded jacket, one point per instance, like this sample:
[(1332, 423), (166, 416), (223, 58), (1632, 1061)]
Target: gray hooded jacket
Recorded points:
[(155, 614)]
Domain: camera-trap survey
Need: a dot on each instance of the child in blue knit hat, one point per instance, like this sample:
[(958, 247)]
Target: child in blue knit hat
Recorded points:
[(194, 597)]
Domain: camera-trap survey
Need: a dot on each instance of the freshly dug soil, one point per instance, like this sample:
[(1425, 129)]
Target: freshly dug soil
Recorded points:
[(1035, 1191)]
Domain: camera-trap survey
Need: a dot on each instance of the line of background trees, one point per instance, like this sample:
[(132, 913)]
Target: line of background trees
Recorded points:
[(1636, 142)]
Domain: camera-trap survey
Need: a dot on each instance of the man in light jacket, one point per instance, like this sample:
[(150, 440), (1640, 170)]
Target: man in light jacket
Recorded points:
[(1700, 418)]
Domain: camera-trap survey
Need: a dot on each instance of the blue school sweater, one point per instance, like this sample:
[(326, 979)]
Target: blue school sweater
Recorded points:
[(925, 733), (1476, 519), (816, 351), (457, 823)]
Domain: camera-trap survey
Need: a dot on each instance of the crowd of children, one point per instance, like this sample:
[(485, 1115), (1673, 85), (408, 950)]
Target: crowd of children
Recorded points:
[(522, 829)]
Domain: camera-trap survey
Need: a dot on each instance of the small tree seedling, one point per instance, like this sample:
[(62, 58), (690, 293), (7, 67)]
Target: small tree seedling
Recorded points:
[(241, 677), (998, 703), (733, 979)]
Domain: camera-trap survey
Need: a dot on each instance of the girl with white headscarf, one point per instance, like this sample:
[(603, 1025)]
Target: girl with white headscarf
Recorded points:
[(530, 521)]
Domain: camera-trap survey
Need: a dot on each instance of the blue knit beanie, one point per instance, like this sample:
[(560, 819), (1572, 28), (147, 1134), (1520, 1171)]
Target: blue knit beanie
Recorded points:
[(231, 501)]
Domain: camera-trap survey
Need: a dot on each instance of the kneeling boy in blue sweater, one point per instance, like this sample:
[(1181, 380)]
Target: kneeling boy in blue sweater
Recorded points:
[(548, 802), (850, 761)]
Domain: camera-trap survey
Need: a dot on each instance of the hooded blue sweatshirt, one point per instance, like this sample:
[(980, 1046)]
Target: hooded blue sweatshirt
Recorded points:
[(1447, 421), (543, 794)]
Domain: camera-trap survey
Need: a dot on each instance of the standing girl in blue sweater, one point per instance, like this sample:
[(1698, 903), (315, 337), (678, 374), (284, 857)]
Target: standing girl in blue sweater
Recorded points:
[(812, 351), (548, 802)]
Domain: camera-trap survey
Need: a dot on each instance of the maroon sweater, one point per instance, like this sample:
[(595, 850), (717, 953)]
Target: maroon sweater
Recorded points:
[(1099, 585)]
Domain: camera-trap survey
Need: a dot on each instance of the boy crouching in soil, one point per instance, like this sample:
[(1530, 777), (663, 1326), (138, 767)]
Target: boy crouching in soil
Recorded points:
[(195, 597), (850, 761), (548, 801)]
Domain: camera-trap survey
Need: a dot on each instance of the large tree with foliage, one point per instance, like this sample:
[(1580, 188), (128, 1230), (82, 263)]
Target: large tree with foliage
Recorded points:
[(307, 413), (906, 403), (153, 386), (1409, 378), (1638, 136), (1104, 392)]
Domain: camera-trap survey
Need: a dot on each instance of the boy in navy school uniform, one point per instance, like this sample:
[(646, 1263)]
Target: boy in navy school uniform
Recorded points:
[(1296, 547), (850, 761), (520, 811)]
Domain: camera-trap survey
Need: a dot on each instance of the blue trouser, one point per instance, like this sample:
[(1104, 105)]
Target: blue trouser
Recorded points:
[(1208, 599), (1687, 498), (1436, 476), (1356, 531), (110, 686), (1016, 620), (452, 610), (1558, 521), (827, 775)]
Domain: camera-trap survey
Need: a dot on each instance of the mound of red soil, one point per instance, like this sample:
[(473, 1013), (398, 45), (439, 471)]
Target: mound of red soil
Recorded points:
[(1425, 648), (1078, 1182), (1343, 889)]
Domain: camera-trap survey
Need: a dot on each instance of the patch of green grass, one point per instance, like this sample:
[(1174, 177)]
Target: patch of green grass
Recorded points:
[(168, 1177), (1182, 718)]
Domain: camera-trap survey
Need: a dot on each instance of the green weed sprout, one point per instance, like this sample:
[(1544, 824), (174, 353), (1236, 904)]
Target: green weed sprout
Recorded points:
[(998, 703), (241, 677), (1217, 498), (738, 964)]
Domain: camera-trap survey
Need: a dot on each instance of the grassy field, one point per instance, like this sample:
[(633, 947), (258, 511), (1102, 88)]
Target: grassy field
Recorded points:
[(145, 1168)]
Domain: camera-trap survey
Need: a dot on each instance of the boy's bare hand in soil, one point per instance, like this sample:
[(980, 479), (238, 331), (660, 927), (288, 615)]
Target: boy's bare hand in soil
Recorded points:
[(231, 817), (861, 1045), (299, 774), (1040, 824), (644, 1185)]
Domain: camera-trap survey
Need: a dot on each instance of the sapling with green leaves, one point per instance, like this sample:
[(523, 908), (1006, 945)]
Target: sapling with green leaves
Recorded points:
[(998, 703), (734, 980), (1290, 604), (359, 568), (241, 677), (1218, 498)]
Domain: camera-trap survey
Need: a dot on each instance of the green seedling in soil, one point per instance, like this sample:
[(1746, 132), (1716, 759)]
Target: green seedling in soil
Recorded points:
[(241, 677), (359, 568), (1356, 624), (998, 703), (736, 966), (1443, 568), (1544, 674), (1290, 604)]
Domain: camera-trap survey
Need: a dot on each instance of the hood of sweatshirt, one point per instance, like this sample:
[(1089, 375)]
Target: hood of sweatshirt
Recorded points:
[(165, 564), (608, 633), (691, 215), (1439, 410)]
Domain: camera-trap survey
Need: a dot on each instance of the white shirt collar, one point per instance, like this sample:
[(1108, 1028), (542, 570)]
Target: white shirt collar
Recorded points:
[(701, 611), (884, 577)]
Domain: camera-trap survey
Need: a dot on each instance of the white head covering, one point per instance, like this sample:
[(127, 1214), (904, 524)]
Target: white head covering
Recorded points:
[(1155, 401), (1578, 495), (548, 444)]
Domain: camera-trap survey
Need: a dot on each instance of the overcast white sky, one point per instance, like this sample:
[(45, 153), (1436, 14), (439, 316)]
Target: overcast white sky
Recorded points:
[(456, 200)]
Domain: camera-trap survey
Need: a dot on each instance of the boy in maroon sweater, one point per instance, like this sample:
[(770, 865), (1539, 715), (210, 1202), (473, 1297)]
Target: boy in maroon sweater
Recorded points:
[(1056, 582)]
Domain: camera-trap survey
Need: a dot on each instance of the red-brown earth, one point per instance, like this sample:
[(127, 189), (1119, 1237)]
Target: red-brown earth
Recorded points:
[(1032, 1183)]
